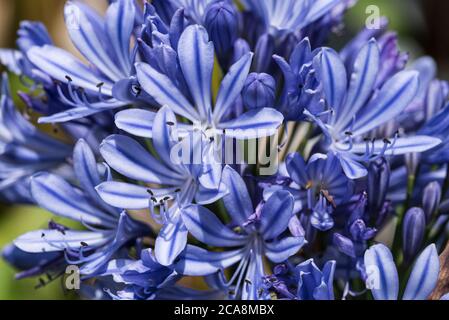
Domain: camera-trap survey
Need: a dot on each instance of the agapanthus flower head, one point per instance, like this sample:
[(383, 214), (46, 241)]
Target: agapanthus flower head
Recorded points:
[(160, 141)]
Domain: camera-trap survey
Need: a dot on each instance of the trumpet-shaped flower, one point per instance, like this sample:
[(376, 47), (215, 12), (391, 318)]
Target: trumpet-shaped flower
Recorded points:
[(196, 57), (109, 229), (178, 182), (258, 234), (105, 43), (356, 108)]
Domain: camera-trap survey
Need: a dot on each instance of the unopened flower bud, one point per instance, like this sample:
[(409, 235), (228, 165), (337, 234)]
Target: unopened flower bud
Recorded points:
[(222, 24), (241, 47), (413, 229), (264, 53), (259, 91), (431, 199)]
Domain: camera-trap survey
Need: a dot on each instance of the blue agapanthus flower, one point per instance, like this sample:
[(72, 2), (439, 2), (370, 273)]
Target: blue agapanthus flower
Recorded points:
[(152, 152), (357, 107), (109, 228), (255, 231)]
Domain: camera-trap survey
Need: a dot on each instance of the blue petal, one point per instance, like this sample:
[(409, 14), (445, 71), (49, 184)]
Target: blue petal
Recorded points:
[(363, 79), (124, 195), (129, 158), (200, 262), (196, 57), (253, 124), (11, 59), (85, 29), (382, 271), (206, 196), (424, 276), (276, 214), (413, 144), (54, 194), (165, 134), (58, 64), (232, 85), (238, 202), (171, 241), (76, 113), (296, 167), (333, 75), (86, 171), (390, 101), (353, 169), (119, 19), (162, 89), (137, 122), (208, 229), (39, 241), (319, 8), (280, 251)]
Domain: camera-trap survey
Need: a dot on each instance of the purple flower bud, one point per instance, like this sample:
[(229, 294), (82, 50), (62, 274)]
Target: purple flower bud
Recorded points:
[(413, 229), (222, 24), (345, 245), (378, 181), (360, 232), (264, 53), (241, 47), (431, 199), (259, 91)]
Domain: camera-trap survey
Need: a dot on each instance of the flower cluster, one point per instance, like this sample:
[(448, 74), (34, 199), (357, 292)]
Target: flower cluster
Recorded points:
[(157, 145)]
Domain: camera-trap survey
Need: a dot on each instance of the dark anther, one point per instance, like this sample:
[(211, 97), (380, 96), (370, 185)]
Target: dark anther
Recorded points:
[(56, 82), (42, 235), (387, 141), (170, 123), (150, 192), (100, 84), (69, 78), (84, 244), (178, 190), (81, 90), (153, 199), (212, 139), (166, 198), (348, 133), (366, 139)]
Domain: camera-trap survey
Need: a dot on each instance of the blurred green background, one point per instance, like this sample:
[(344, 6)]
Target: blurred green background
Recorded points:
[(422, 26)]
